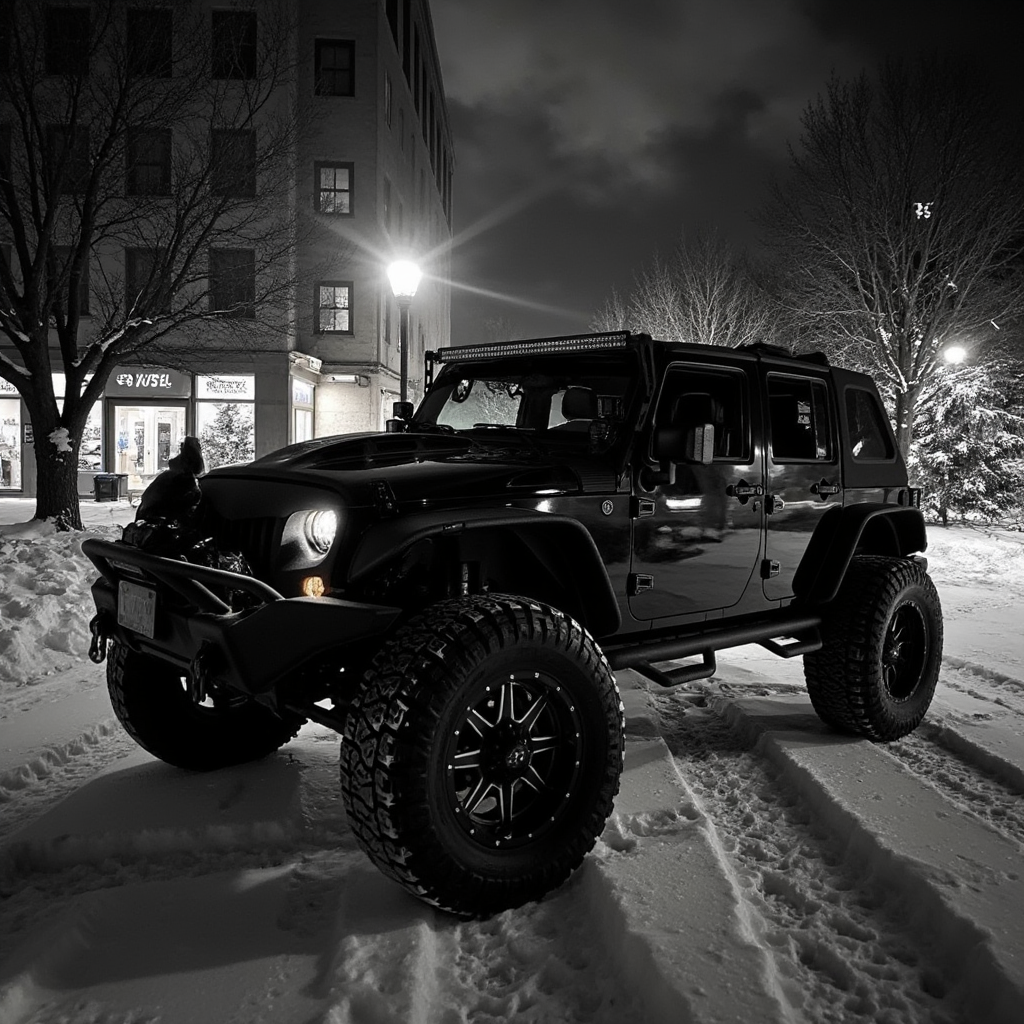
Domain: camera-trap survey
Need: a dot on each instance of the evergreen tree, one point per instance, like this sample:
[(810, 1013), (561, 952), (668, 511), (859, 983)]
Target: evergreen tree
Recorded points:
[(231, 437), (968, 454)]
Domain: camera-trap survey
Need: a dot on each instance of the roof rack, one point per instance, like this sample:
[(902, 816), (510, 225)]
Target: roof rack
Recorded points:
[(534, 347), (762, 348)]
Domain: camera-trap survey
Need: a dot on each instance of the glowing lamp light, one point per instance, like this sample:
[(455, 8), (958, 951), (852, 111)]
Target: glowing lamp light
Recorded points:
[(404, 276), (313, 586), (955, 354)]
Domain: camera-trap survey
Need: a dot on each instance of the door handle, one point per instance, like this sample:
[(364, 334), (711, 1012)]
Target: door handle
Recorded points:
[(823, 488), (743, 491)]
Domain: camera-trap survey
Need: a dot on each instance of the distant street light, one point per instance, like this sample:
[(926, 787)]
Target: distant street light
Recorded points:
[(404, 276), (955, 354)]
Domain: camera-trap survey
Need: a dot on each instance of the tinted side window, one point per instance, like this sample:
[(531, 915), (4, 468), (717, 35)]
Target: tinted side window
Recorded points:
[(869, 438), (694, 396), (798, 412)]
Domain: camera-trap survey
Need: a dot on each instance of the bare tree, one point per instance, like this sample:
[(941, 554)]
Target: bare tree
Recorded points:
[(900, 226), (153, 181), (705, 293)]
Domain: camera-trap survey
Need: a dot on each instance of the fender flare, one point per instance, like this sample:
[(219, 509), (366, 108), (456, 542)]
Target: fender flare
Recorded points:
[(837, 536), (386, 540)]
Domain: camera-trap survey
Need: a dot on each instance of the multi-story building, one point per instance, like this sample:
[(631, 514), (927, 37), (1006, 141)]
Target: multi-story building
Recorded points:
[(371, 178)]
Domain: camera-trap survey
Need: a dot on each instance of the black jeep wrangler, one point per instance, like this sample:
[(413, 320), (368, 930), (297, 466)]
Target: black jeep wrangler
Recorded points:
[(453, 595)]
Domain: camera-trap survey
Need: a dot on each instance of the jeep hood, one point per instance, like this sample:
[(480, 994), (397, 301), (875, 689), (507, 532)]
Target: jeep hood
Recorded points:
[(422, 467)]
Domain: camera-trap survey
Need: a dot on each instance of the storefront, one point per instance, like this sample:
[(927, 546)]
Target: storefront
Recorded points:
[(146, 412), (147, 417), (10, 438)]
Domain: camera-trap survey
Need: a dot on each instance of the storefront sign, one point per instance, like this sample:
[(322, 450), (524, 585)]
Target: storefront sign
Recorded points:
[(227, 387), (7, 388), (27, 436), (148, 382)]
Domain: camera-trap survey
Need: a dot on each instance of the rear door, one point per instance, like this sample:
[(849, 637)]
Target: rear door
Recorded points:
[(804, 478)]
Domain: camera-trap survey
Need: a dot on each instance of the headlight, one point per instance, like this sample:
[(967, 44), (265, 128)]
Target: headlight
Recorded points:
[(320, 529)]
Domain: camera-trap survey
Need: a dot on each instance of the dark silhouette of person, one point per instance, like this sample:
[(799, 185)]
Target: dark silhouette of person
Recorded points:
[(175, 493)]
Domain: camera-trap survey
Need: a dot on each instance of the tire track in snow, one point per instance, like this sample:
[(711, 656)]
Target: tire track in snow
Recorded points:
[(928, 755), (843, 951)]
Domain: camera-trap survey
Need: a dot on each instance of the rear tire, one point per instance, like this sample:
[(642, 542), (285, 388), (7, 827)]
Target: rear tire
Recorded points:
[(152, 702), (481, 758), (876, 672)]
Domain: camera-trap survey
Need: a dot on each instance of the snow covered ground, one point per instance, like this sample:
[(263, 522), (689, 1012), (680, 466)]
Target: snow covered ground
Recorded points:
[(757, 868)]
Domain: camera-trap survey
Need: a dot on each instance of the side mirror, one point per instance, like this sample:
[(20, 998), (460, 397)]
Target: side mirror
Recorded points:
[(700, 444)]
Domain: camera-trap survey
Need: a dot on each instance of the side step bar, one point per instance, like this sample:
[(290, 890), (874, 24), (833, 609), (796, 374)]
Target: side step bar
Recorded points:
[(804, 629)]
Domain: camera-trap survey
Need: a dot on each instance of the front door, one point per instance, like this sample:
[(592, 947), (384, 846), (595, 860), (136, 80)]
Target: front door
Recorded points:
[(696, 540), (803, 473)]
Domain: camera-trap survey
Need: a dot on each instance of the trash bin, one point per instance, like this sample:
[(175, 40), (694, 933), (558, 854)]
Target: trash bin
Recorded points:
[(110, 486)]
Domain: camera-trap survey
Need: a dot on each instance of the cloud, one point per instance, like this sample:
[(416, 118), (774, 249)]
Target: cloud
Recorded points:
[(616, 81)]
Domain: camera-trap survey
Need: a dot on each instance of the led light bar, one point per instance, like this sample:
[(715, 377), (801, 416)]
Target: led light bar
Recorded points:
[(537, 347)]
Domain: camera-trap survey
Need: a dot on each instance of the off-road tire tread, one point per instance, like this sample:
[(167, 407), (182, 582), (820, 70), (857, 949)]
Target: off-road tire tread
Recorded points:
[(843, 677), (149, 703), (392, 720)]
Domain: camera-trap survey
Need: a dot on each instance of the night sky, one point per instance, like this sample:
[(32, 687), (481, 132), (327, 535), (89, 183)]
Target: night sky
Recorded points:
[(590, 133)]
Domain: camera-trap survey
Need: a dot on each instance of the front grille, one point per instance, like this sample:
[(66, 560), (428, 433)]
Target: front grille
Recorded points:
[(255, 538)]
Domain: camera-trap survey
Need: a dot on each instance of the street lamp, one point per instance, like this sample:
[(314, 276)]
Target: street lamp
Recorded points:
[(954, 354), (404, 276)]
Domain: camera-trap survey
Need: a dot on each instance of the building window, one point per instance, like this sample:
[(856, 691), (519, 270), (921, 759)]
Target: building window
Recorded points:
[(143, 279), (333, 188), (233, 282), (334, 307), (68, 154), (62, 255), (334, 60), (67, 40), (150, 33), (149, 162), (233, 171), (387, 99), (234, 44), (225, 418)]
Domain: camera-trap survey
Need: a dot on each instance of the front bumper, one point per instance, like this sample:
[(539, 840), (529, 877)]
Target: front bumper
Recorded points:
[(252, 651)]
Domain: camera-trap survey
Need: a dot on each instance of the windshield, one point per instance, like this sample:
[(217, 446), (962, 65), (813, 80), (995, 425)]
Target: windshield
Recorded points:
[(555, 400)]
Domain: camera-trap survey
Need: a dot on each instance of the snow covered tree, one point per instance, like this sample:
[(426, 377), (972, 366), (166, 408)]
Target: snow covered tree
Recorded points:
[(230, 437), (968, 452), (704, 293), (900, 225), (146, 176)]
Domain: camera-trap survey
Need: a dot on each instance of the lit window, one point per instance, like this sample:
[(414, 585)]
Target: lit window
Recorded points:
[(333, 188), (334, 307)]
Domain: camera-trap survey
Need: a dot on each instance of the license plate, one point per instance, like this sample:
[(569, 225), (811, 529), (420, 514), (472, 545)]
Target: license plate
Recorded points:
[(136, 608)]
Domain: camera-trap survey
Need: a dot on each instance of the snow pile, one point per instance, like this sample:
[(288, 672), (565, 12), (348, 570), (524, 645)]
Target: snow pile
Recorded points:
[(964, 556), (45, 603)]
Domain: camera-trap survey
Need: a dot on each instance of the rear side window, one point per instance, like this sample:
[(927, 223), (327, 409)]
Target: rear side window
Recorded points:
[(798, 411), (869, 437)]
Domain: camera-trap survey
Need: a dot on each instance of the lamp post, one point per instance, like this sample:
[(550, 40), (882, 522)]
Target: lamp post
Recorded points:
[(404, 276)]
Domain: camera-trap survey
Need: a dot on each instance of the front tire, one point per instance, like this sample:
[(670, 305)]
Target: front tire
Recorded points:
[(151, 700), (876, 672), (481, 758)]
